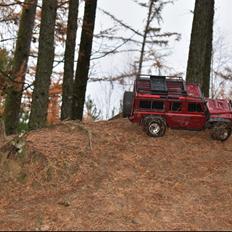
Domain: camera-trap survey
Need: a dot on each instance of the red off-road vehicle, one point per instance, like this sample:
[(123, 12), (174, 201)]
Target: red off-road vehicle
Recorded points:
[(161, 101)]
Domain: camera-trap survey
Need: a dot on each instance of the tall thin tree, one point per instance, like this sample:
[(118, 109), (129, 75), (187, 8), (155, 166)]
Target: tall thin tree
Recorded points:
[(146, 31), (40, 96), (67, 87), (81, 77), (147, 40), (200, 51), (21, 55)]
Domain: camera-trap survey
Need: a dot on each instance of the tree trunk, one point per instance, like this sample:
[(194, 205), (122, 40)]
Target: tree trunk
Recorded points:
[(151, 2), (67, 87), (21, 55), (200, 52), (40, 96), (82, 71)]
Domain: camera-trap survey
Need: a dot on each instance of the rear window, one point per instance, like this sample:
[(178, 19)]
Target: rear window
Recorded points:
[(155, 105), (145, 104)]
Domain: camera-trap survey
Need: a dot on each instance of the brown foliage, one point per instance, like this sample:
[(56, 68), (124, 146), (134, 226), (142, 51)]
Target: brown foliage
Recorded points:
[(127, 181), (54, 104)]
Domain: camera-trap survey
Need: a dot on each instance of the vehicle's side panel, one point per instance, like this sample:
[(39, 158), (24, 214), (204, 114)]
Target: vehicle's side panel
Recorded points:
[(174, 115), (195, 116), (144, 107), (185, 118), (194, 121)]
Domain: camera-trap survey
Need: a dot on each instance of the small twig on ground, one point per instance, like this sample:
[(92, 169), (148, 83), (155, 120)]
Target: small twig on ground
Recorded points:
[(89, 135), (2, 130), (78, 124)]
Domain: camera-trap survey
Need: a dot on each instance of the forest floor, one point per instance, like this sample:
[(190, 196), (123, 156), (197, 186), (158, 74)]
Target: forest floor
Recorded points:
[(111, 176)]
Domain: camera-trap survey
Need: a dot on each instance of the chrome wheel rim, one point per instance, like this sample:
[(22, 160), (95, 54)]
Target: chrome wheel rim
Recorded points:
[(154, 128), (224, 134)]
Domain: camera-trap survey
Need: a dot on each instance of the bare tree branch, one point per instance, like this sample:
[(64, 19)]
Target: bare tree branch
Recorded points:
[(121, 22)]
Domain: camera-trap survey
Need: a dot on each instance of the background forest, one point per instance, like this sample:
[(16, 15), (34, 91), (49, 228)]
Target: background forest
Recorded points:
[(70, 161), (74, 59)]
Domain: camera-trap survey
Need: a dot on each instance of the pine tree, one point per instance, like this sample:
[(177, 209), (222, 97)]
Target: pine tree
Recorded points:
[(81, 77), (150, 17), (67, 87), (40, 96), (21, 55), (200, 52)]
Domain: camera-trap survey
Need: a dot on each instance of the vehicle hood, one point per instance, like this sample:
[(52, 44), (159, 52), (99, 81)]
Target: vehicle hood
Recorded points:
[(219, 106)]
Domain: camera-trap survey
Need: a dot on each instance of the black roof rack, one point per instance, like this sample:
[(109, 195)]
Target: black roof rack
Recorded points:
[(161, 85), (158, 84)]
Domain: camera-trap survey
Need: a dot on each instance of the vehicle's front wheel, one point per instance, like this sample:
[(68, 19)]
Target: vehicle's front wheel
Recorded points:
[(221, 131), (154, 126)]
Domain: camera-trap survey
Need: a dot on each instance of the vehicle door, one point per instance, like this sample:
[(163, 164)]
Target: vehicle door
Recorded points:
[(174, 116), (195, 116)]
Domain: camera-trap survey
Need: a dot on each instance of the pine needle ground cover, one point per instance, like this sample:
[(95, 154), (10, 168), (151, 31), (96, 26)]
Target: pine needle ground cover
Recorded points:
[(112, 176)]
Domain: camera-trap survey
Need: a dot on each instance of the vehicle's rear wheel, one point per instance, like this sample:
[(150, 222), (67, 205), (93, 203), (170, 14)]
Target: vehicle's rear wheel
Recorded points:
[(154, 126), (221, 131), (127, 103)]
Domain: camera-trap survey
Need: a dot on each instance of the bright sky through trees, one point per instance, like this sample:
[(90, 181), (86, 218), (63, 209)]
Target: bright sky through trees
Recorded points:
[(177, 17)]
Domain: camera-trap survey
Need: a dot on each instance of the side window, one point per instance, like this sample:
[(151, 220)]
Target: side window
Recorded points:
[(194, 107), (154, 105), (145, 104), (175, 106), (157, 105)]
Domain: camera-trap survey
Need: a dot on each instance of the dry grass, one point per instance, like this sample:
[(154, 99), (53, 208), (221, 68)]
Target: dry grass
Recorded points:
[(111, 176)]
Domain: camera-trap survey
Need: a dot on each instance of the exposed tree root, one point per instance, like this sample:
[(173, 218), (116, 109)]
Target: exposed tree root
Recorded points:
[(73, 124), (13, 145)]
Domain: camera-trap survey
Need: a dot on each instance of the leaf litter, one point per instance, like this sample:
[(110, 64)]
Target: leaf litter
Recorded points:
[(110, 175)]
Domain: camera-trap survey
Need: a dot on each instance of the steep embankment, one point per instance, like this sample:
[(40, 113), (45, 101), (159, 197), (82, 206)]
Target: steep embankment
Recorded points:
[(111, 175)]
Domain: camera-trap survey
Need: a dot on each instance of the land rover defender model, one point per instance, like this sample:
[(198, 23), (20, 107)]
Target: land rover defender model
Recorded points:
[(158, 102)]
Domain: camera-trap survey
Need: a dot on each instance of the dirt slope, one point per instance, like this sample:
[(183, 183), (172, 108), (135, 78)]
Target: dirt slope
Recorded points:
[(111, 176)]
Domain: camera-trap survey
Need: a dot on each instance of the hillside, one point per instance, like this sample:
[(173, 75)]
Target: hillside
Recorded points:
[(111, 175)]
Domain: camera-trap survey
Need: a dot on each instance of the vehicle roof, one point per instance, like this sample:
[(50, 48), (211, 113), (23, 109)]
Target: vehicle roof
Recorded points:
[(166, 86)]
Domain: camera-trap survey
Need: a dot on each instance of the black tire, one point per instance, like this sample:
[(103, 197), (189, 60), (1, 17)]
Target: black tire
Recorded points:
[(127, 104), (154, 126), (221, 131)]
